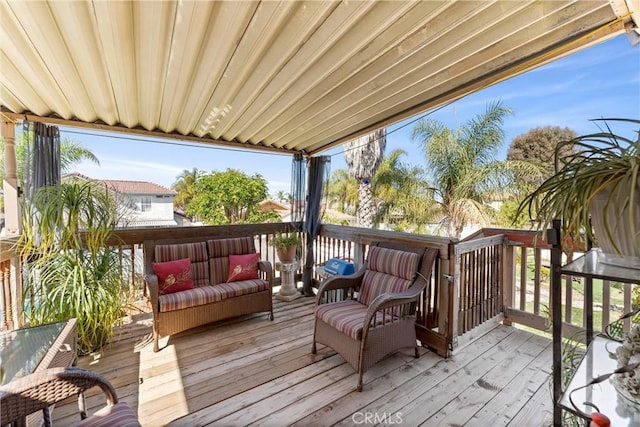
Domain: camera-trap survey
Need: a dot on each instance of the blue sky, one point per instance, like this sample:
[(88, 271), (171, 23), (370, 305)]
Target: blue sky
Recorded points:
[(601, 81)]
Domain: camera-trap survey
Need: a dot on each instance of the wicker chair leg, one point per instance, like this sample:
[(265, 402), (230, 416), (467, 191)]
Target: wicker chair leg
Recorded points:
[(46, 417), (359, 387), (417, 353), (82, 406), (155, 342), (313, 348), (271, 315)]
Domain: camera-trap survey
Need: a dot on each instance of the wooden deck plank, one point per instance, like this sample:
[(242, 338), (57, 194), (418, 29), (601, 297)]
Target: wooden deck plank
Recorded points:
[(518, 393), (225, 407), (251, 371), (312, 397), (460, 410), (444, 385), (537, 412)]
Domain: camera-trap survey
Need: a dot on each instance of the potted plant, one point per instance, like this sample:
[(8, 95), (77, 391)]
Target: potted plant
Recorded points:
[(286, 244), (595, 191)]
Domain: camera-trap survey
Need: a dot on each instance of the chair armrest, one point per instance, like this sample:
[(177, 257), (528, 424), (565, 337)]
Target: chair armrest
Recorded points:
[(392, 299), (152, 284), (339, 282), (388, 300), (40, 390), (267, 269)]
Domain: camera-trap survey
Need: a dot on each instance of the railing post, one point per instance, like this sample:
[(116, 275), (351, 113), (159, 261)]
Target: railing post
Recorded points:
[(508, 279), (451, 298)]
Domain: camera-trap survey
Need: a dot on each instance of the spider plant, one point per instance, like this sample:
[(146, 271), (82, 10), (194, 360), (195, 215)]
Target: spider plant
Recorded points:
[(71, 271), (595, 191)]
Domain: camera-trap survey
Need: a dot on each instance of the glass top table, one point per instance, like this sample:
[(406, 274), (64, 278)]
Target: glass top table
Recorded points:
[(599, 359), (22, 350)]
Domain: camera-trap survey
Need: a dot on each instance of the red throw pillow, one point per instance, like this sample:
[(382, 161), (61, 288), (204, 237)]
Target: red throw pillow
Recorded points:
[(173, 276), (243, 267)]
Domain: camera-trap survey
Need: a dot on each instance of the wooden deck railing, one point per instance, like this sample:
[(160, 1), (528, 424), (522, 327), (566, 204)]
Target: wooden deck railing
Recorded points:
[(494, 275), (526, 290)]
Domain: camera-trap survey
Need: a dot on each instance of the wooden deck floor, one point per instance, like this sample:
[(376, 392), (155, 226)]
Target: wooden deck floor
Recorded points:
[(252, 371)]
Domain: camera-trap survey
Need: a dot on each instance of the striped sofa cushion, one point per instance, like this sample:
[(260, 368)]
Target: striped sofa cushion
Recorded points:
[(388, 270), (189, 298), (242, 287), (118, 415), (219, 251), (347, 317), (196, 252)]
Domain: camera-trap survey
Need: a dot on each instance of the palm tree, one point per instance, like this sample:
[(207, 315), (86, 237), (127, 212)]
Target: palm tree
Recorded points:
[(402, 195), (463, 166), (343, 192), (282, 196), (185, 186), (363, 156), (71, 153)]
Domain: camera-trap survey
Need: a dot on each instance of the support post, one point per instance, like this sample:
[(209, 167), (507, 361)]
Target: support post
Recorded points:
[(553, 237), (12, 301), (10, 180)]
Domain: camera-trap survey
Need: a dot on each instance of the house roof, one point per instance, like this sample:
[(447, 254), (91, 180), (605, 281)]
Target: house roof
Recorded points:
[(288, 76), (127, 187)]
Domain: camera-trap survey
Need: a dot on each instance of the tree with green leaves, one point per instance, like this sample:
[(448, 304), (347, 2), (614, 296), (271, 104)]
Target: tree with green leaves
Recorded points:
[(185, 187), (538, 145), (230, 197), (536, 148), (363, 156), (463, 166)]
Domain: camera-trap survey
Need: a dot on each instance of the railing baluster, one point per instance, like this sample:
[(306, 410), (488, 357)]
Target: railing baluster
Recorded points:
[(523, 278), (536, 280)]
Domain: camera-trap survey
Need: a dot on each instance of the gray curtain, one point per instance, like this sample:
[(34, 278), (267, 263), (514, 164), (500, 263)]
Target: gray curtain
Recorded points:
[(317, 187), (298, 190), (42, 156)]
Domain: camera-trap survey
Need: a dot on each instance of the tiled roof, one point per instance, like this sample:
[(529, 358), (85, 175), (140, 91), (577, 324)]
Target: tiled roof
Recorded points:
[(127, 187)]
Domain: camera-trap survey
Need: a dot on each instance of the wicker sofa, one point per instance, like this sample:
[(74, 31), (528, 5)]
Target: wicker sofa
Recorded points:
[(214, 295)]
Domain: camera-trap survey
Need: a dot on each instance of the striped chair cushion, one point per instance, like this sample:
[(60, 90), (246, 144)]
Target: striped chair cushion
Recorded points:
[(190, 298), (397, 263), (242, 287), (219, 251), (347, 317), (118, 415), (196, 252), (388, 270)]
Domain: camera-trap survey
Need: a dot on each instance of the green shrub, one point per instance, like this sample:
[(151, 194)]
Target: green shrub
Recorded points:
[(70, 271)]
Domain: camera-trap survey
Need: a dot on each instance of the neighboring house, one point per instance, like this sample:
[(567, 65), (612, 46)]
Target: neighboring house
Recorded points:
[(269, 204), (144, 204)]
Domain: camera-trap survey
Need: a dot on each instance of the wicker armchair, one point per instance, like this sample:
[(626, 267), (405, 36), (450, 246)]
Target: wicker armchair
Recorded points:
[(39, 391), (382, 318)]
